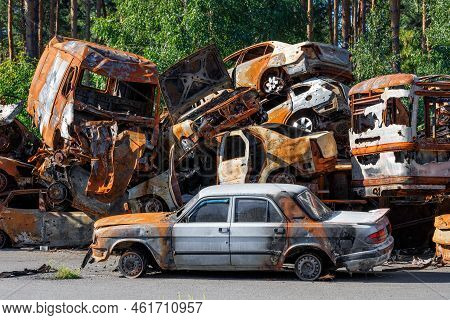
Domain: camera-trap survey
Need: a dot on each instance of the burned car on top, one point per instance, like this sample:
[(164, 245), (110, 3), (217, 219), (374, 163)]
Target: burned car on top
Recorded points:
[(270, 66), (400, 136), (246, 227)]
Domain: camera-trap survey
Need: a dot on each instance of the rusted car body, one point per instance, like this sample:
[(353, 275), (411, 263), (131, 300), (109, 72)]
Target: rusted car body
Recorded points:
[(95, 107), (16, 141), (246, 227), (269, 66), (442, 237), (200, 100), (394, 151), (274, 153), (14, 174), (24, 221)]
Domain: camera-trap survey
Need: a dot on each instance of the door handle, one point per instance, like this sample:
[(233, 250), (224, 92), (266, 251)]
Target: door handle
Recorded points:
[(279, 230), (224, 230)]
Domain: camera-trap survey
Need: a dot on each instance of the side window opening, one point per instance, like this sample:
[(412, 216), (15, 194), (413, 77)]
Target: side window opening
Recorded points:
[(231, 62), (24, 201), (396, 112), (211, 210), (300, 90), (254, 53), (255, 210), (68, 84), (93, 80), (234, 148), (257, 157), (269, 104)]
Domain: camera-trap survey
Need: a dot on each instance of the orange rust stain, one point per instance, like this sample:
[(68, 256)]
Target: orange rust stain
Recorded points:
[(279, 114)]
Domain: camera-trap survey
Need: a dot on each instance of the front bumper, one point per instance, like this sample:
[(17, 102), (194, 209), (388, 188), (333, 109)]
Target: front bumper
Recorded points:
[(366, 260)]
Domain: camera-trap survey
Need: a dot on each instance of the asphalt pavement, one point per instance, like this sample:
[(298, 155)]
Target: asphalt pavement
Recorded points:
[(103, 281)]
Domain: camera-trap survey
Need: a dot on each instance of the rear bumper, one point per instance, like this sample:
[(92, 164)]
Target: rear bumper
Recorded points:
[(364, 261)]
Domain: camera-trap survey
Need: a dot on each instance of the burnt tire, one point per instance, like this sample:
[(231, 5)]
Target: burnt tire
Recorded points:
[(4, 240), (308, 267), (133, 264)]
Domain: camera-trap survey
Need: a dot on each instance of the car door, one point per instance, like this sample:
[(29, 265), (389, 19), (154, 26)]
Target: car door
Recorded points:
[(257, 233), (233, 159), (202, 237)]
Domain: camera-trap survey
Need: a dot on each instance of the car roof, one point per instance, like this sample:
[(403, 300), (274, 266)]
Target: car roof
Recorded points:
[(250, 189)]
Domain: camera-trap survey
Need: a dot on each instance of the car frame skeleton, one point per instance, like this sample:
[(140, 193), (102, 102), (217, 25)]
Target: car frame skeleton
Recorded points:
[(391, 154), (235, 227)]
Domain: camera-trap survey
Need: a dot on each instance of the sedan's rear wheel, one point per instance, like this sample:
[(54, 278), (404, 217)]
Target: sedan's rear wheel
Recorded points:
[(132, 264), (308, 267)]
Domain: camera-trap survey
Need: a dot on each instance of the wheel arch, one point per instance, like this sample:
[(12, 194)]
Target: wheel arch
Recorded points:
[(296, 251), (8, 242), (134, 244)]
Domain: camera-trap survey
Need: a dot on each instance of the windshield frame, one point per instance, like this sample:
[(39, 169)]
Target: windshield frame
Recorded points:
[(311, 209)]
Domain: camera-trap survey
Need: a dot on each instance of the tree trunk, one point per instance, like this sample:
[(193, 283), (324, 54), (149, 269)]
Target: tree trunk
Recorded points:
[(330, 20), (345, 23), (23, 18), (309, 29), (56, 17), (74, 18), (51, 19), (374, 3), (336, 22), (425, 47), (87, 23), (98, 8), (10, 34), (395, 19), (31, 21), (362, 16), (354, 21), (40, 26)]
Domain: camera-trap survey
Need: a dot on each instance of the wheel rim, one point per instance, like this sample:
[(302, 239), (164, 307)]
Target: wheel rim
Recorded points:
[(304, 123), (57, 193), (132, 265), (309, 268), (273, 84), (283, 177), (3, 182), (153, 205)]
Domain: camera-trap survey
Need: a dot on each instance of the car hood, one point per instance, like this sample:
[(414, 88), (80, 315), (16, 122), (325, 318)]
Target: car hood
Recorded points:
[(192, 79), (132, 219), (357, 217)]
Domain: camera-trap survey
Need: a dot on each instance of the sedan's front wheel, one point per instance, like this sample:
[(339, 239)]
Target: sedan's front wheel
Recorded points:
[(308, 267), (132, 264)]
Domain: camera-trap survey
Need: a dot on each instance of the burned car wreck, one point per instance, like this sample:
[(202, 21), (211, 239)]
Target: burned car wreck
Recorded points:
[(246, 227), (400, 136), (270, 66), (25, 221)]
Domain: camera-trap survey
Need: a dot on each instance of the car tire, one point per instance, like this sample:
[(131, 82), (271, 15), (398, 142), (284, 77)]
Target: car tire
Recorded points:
[(132, 264), (4, 240), (305, 121), (308, 267)]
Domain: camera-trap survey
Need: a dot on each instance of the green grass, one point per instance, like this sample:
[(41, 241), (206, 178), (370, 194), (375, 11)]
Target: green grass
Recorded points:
[(65, 273)]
